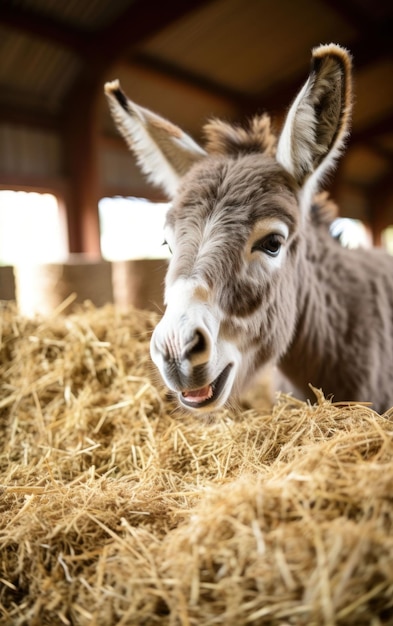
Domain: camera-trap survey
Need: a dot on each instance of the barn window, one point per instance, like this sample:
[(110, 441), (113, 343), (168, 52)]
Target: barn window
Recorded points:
[(387, 239), (30, 228), (132, 228), (351, 233)]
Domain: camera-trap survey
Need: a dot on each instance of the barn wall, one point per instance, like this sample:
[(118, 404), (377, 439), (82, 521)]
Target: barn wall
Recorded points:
[(29, 152), (119, 175), (33, 159), (43, 288)]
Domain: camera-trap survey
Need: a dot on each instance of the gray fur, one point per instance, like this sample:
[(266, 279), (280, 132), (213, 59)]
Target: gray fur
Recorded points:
[(322, 313)]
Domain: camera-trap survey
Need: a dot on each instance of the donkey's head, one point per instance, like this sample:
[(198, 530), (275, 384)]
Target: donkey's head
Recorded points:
[(235, 230)]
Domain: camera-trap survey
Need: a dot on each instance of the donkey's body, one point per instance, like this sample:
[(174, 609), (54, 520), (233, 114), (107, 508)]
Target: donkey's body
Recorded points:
[(255, 276), (343, 341)]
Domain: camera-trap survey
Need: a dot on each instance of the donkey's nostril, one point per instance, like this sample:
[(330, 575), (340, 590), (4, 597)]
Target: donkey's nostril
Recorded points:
[(197, 345), (200, 343)]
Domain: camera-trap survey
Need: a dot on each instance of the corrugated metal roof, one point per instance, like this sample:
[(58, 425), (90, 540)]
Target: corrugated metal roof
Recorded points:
[(34, 72), (30, 152), (88, 15), (241, 44), (226, 58)]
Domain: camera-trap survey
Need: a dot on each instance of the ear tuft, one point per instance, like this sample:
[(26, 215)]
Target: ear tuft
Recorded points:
[(113, 89), (227, 139), (323, 209)]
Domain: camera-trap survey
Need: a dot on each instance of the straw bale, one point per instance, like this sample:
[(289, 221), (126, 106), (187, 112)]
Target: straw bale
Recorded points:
[(118, 509)]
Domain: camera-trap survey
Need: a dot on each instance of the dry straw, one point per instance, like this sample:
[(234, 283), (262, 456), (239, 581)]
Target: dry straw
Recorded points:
[(117, 509)]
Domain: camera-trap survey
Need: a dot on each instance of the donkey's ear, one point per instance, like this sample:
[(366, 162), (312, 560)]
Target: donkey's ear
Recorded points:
[(163, 151), (318, 121)]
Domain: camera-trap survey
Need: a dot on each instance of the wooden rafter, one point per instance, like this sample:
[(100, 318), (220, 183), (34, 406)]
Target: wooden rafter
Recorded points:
[(45, 27)]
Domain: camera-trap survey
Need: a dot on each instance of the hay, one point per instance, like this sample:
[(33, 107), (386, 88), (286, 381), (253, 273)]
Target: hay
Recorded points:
[(117, 509)]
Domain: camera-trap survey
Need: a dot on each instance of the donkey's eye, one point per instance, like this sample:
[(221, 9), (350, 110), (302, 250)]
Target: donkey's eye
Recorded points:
[(271, 245)]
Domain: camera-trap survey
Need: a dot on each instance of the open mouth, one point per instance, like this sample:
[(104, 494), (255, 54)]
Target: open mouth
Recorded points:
[(202, 397)]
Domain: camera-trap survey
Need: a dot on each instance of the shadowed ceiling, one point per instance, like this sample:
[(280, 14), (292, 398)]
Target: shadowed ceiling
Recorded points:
[(191, 60)]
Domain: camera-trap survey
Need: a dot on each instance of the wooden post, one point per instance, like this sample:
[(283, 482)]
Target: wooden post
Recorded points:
[(378, 201), (81, 156)]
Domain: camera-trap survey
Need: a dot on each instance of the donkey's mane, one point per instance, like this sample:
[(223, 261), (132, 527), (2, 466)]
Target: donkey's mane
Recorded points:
[(228, 139), (323, 209)]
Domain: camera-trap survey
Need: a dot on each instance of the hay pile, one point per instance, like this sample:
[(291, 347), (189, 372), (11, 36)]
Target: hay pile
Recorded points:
[(116, 509)]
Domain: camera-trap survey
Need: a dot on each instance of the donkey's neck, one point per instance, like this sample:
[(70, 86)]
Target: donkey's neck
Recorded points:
[(329, 289)]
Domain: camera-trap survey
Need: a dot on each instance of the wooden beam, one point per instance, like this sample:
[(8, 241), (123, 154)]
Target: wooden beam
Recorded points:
[(25, 116), (45, 27), (81, 138), (41, 184), (175, 72), (141, 20), (81, 129)]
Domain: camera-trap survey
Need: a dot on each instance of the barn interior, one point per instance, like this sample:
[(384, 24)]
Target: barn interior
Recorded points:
[(116, 507), (188, 61)]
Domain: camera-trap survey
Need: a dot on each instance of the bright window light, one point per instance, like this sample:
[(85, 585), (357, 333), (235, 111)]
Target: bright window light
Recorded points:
[(132, 228), (387, 239), (30, 228), (351, 233)]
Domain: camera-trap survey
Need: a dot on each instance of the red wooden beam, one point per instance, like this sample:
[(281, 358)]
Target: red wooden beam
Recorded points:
[(139, 21), (45, 27)]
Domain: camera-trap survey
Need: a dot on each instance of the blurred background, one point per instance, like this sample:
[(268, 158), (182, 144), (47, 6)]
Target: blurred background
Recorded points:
[(76, 216)]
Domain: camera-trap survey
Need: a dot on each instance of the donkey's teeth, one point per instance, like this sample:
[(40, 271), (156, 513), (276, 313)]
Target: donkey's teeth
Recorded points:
[(199, 395), (205, 396)]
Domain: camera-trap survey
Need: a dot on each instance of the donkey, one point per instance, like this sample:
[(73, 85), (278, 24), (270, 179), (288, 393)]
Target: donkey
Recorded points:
[(255, 276)]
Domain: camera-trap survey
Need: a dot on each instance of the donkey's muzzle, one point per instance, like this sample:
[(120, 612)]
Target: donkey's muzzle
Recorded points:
[(180, 376), (192, 358)]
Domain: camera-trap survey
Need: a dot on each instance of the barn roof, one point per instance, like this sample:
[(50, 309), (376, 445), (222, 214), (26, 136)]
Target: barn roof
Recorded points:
[(188, 61)]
